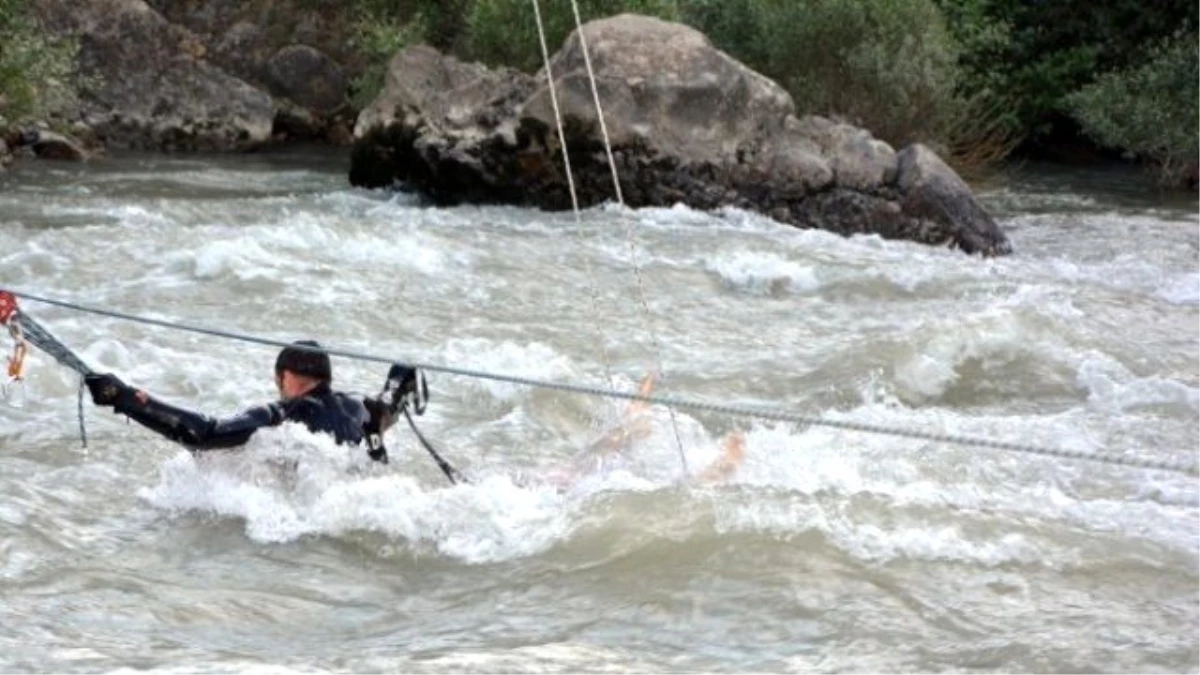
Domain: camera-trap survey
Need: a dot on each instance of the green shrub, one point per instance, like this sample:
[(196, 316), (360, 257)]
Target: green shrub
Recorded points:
[(377, 37), (35, 71), (1034, 54), (383, 27), (1151, 110), (504, 32), (886, 65)]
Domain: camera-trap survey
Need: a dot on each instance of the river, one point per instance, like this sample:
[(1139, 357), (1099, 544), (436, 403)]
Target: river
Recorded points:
[(825, 550)]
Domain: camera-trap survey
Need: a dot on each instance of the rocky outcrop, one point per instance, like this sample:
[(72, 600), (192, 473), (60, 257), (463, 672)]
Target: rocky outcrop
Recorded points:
[(219, 75), (153, 89), (431, 117), (686, 122), (150, 86), (299, 52)]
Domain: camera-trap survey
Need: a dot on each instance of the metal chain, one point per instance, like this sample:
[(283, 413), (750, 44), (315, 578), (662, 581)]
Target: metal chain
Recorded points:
[(669, 402)]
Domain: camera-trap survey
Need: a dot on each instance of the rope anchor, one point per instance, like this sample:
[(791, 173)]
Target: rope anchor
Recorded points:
[(24, 330)]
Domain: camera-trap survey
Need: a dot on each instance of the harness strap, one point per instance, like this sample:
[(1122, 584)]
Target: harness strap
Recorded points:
[(451, 473)]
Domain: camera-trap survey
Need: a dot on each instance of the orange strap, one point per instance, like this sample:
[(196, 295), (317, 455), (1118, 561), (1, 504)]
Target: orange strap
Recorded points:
[(16, 362)]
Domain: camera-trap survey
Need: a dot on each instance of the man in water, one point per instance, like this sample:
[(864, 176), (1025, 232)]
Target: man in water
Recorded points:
[(303, 376)]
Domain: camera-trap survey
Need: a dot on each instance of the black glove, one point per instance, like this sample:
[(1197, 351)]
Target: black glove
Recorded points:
[(106, 388), (405, 386)]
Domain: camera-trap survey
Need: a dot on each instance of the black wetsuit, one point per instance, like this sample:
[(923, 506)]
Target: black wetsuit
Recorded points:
[(322, 410)]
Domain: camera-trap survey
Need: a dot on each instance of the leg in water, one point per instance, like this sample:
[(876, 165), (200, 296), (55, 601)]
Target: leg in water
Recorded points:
[(634, 426)]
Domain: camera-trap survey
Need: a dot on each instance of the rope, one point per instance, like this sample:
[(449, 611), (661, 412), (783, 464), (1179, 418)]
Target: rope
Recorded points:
[(630, 238), (79, 404), (450, 472), (562, 141), (43, 340), (669, 402), (587, 64)]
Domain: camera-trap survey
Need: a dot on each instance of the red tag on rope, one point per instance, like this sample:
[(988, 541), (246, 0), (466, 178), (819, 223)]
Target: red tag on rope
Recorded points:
[(16, 362), (8, 306)]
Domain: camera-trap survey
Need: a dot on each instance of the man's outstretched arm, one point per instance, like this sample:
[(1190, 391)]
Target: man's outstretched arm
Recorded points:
[(191, 429)]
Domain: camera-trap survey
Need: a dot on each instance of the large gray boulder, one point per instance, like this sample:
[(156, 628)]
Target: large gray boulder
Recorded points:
[(662, 85), (932, 192), (687, 123), (432, 126), (309, 78), (150, 84)]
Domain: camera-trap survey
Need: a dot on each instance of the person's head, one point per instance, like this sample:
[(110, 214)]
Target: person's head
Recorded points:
[(301, 367)]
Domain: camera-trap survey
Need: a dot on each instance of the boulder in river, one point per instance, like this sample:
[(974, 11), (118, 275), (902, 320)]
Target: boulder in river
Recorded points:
[(687, 124)]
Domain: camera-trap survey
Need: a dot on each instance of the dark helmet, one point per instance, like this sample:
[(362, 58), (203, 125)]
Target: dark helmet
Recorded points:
[(314, 364)]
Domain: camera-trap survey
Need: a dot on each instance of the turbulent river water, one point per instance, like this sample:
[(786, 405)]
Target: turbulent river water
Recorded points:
[(824, 550)]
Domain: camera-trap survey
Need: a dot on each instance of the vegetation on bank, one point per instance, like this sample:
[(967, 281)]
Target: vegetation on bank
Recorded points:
[(975, 79), (1150, 109), (36, 72)]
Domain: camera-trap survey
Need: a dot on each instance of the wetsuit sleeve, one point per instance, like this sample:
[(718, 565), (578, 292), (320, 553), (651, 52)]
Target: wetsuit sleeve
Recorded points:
[(378, 420), (194, 430)]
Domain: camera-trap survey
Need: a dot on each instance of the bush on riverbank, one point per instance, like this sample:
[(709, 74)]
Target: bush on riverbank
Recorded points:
[(1038, 55), (504, 32), (35, 71), (885, 65), (1151, 110), (378, 36)]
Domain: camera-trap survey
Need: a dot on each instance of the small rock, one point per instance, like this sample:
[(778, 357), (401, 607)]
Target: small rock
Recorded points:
[(50, 145)]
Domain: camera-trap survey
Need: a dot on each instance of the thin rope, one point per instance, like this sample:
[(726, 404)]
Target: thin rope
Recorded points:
[(562, 141), (587, 64), (669, 402), (79, 403), (630, 238)]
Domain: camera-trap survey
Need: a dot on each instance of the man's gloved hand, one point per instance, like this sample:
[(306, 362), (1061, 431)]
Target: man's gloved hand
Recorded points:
[(406, 386), (403, 378), (106, 388)]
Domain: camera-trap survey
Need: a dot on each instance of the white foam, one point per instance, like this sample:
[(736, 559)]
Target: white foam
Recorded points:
[(937, 351), (839, 482), (763, 273), (1181, 289), (535, 360), (333, 491), (241, 257), (1112, 388)]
